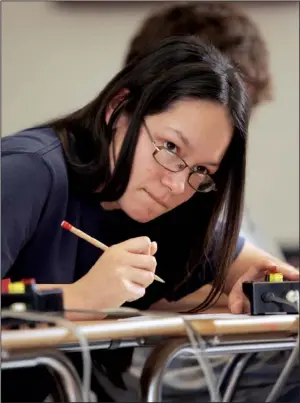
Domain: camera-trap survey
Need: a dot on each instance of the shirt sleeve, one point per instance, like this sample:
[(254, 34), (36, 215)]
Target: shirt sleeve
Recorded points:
[(204, 275), (25, 185)]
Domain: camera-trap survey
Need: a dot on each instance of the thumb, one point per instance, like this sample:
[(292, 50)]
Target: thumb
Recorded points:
[(236, 301), (153, 248), (236, 297)]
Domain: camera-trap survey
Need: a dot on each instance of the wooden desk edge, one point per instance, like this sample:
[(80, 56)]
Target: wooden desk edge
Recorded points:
[(162, 326)]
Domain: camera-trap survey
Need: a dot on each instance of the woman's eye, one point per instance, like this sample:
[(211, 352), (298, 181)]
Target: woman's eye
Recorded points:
[(201, 170), (171, 146)]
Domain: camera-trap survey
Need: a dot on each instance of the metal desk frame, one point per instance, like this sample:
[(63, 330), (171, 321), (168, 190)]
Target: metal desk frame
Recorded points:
[(222, 336), (56, 361), (156, 365)]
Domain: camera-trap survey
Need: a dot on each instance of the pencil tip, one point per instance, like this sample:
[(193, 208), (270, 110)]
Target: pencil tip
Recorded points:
[(159, 279)]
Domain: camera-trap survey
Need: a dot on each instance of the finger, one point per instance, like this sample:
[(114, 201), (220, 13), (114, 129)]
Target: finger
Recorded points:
[(134, 291), (153, 248), (289, 272), (255, 273), (258, 272), (239, 305), (146, 262), (236, 302), (236, 307), (246, 306), (237, 297), (140, 277), (269, 266), (140, 244)]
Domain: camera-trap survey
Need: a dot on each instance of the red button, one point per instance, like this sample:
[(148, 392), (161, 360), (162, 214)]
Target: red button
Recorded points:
[(28, 281), (4, 284)]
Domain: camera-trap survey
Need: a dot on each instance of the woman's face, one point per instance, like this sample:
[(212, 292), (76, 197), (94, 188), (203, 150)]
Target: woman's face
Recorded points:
[(198, 131)]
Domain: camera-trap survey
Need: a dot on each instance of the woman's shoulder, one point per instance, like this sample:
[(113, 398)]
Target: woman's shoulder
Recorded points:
[(38, 146), (34, 141)]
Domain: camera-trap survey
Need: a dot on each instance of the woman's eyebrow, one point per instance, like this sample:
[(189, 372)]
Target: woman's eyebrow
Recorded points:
[(180, 135), (213, 164)]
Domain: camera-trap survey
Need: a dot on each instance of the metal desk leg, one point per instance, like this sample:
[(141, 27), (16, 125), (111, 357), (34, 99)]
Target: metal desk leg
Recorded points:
[(151, 382), (227, 370), (57, 362), (239, 368)]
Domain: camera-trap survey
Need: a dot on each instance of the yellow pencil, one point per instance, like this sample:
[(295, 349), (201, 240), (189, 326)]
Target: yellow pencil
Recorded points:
[(93, 241)]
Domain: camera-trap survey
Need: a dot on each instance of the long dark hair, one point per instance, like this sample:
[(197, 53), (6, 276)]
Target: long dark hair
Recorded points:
[(176, 68)]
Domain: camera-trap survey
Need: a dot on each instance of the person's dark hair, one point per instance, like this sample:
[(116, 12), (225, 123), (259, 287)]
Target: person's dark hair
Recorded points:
[(175, 69), (226, 26)]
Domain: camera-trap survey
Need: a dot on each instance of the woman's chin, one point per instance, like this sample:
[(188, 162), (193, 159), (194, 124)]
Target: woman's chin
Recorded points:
[(141, 215)]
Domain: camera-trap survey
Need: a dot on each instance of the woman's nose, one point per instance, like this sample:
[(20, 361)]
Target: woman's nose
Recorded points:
[(175, 181)]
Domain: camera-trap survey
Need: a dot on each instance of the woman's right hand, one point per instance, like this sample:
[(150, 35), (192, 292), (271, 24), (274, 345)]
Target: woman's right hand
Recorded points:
[(121, 274)]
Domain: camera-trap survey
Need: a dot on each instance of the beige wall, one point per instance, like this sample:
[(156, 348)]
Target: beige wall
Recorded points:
[(57, 56)]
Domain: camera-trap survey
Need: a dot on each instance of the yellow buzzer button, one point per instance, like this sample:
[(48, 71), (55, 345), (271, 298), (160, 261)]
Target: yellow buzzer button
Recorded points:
[(16, 288), (275, 277)]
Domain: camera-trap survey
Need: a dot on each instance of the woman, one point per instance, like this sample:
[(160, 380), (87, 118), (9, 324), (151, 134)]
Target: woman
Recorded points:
[(148, 167)]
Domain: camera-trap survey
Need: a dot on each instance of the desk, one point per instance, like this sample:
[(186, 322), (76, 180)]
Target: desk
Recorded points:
[(172, 326), (225, 333)]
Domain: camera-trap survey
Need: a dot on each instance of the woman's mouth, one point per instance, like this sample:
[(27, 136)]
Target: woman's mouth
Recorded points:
[(161, 203)]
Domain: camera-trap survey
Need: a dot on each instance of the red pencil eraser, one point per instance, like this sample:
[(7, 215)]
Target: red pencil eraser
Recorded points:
[(66, 225)]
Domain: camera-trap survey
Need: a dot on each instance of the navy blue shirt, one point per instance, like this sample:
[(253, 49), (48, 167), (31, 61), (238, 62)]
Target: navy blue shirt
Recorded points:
[(35, 200)]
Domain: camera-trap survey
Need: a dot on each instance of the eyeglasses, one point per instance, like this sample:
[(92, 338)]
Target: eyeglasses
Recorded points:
[(198, 178)]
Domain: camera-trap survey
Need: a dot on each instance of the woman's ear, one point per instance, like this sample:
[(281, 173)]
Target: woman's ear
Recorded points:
[(117, 99)]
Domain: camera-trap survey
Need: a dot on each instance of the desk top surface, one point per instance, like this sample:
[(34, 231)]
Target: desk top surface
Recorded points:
[(147, 326)]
